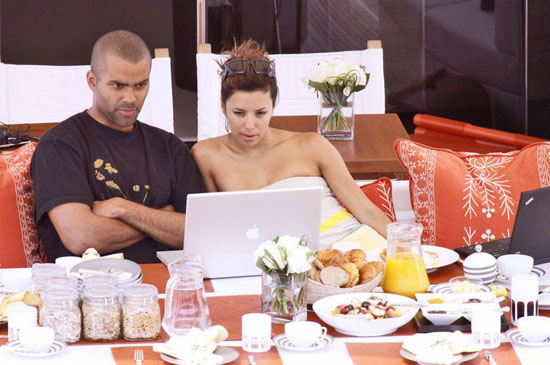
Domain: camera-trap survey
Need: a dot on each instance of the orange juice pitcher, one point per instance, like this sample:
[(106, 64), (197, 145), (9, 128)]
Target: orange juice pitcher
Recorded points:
[(404, 273)]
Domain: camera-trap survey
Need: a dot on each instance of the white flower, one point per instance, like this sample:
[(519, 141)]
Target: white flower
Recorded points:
[(347, 91), (287, 255), (298, 261), (318, 74), (361, 76)]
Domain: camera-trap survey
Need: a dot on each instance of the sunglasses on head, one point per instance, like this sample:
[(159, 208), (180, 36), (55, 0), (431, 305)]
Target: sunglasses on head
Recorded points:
[(239, 67)]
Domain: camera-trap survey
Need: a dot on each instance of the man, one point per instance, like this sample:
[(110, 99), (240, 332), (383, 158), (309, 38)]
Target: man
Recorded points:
[(103, 179)]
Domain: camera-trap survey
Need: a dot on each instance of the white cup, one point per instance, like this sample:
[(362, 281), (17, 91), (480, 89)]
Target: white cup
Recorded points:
[(486, 328), (515, 264), (19, 317), (256, 332), (37, 339), (304, 333), (68, 262), (524, 294), (534, 328)]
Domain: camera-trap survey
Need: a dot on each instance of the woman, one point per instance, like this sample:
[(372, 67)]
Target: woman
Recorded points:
[(255, 156)]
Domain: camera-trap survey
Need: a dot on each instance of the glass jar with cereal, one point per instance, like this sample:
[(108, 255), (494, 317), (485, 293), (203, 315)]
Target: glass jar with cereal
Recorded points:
[(62, 312), (101, 314), (140, 313)]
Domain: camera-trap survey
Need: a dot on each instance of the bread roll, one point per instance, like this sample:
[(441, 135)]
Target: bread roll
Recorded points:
[(333, 276)]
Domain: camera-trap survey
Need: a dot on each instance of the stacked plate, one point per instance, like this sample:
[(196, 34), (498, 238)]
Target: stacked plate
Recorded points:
[(128, 272)]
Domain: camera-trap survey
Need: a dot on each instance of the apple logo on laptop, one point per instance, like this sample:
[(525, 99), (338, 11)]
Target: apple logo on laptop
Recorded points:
[(253, 233)]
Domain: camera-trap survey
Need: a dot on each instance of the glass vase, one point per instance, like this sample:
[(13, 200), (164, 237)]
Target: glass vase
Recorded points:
[(284, 296), (336, 116)]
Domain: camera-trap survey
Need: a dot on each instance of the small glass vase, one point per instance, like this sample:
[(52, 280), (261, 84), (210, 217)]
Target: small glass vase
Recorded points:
[(336, 116), (284, 296)]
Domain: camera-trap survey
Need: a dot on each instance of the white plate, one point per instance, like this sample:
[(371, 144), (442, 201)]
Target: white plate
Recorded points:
[(359, 325), (104, 264), (282, 341), (17, 348), (459, 358), (227, 353), (516, 337), (445, 256), (445, 288)]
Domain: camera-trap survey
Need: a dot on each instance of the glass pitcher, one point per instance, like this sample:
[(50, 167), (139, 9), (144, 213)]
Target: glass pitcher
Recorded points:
[(185, 306), (404, 273)]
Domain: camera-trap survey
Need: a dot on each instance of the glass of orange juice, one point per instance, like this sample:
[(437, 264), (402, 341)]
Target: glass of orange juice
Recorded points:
[(404, 273)]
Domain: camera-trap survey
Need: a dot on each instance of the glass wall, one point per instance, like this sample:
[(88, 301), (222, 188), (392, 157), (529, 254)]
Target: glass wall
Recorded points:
[(481, 61)]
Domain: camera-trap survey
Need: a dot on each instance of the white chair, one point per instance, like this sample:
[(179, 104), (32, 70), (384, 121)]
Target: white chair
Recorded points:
[(295, 98), (46, 94)]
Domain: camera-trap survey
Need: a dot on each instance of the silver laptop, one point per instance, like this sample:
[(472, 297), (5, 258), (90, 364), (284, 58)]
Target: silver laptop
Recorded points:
[(226, 228)]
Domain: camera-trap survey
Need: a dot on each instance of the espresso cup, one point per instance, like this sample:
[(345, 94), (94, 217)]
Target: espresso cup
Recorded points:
[(534, 328), (304, 333)]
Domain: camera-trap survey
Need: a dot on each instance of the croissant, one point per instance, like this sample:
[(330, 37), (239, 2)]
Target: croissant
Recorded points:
[(332, 257), (353, 273), (367, 272)]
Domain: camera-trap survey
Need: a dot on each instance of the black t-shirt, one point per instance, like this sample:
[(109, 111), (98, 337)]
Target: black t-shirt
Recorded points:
[(81, 161)]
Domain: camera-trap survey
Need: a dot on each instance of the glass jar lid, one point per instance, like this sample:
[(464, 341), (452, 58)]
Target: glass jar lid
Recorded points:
[(101, 294), (60, 296), (48, 270), (141, 293), (61, 281)]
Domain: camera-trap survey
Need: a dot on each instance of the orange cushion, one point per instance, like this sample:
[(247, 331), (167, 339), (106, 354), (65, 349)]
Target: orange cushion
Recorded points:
[(379, 192), (467, 198), (19, 244)]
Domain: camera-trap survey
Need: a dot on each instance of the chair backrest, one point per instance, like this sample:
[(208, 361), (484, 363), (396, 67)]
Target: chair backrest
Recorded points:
[(44, 94), (295, 98)]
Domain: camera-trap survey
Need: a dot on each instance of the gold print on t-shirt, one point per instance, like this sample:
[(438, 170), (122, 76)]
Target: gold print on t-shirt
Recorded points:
[(110, 169), (102, 168), (113, 185), (99, 175)]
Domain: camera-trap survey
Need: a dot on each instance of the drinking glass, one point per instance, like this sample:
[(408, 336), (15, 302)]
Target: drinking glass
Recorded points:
[(524, 294), (404, 273)]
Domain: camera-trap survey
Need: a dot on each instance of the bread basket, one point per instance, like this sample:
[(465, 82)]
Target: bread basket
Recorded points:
[(316, 290)]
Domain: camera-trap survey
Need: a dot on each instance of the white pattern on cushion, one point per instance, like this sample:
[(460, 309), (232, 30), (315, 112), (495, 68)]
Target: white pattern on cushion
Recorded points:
[(543, 161), (18, 165)]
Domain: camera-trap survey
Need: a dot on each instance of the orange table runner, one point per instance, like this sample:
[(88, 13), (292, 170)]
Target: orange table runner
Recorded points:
[(125, 356), (388, 354)]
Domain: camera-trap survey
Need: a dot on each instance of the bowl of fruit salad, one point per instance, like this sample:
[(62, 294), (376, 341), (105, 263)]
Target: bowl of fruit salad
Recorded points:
[(365, 314)]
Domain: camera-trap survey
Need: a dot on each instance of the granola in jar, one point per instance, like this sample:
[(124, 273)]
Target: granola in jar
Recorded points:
[(140, 313), (101, 314), (62, 313)]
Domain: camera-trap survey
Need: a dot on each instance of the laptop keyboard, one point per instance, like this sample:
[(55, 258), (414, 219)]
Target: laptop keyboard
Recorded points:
[(496, 248)]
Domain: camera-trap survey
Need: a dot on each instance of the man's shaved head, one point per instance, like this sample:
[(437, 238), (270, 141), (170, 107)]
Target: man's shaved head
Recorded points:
[(120, 43)]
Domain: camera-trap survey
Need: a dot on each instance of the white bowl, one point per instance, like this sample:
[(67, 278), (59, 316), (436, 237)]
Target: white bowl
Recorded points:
[(18, 279), (534, 328), (359, 326), (68, 262), (37, 339), (453, 311), (514, 264)]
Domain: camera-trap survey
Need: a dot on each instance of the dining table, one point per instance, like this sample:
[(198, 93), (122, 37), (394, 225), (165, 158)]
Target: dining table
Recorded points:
[(230, 298)]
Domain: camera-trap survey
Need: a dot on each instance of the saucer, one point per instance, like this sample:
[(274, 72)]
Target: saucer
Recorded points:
[(503, 279), (515, 336), (282, 341), (17, 348), (445, 288)]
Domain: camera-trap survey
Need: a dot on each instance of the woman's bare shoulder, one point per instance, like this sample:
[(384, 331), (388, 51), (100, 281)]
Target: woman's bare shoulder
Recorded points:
[(207, 146)]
